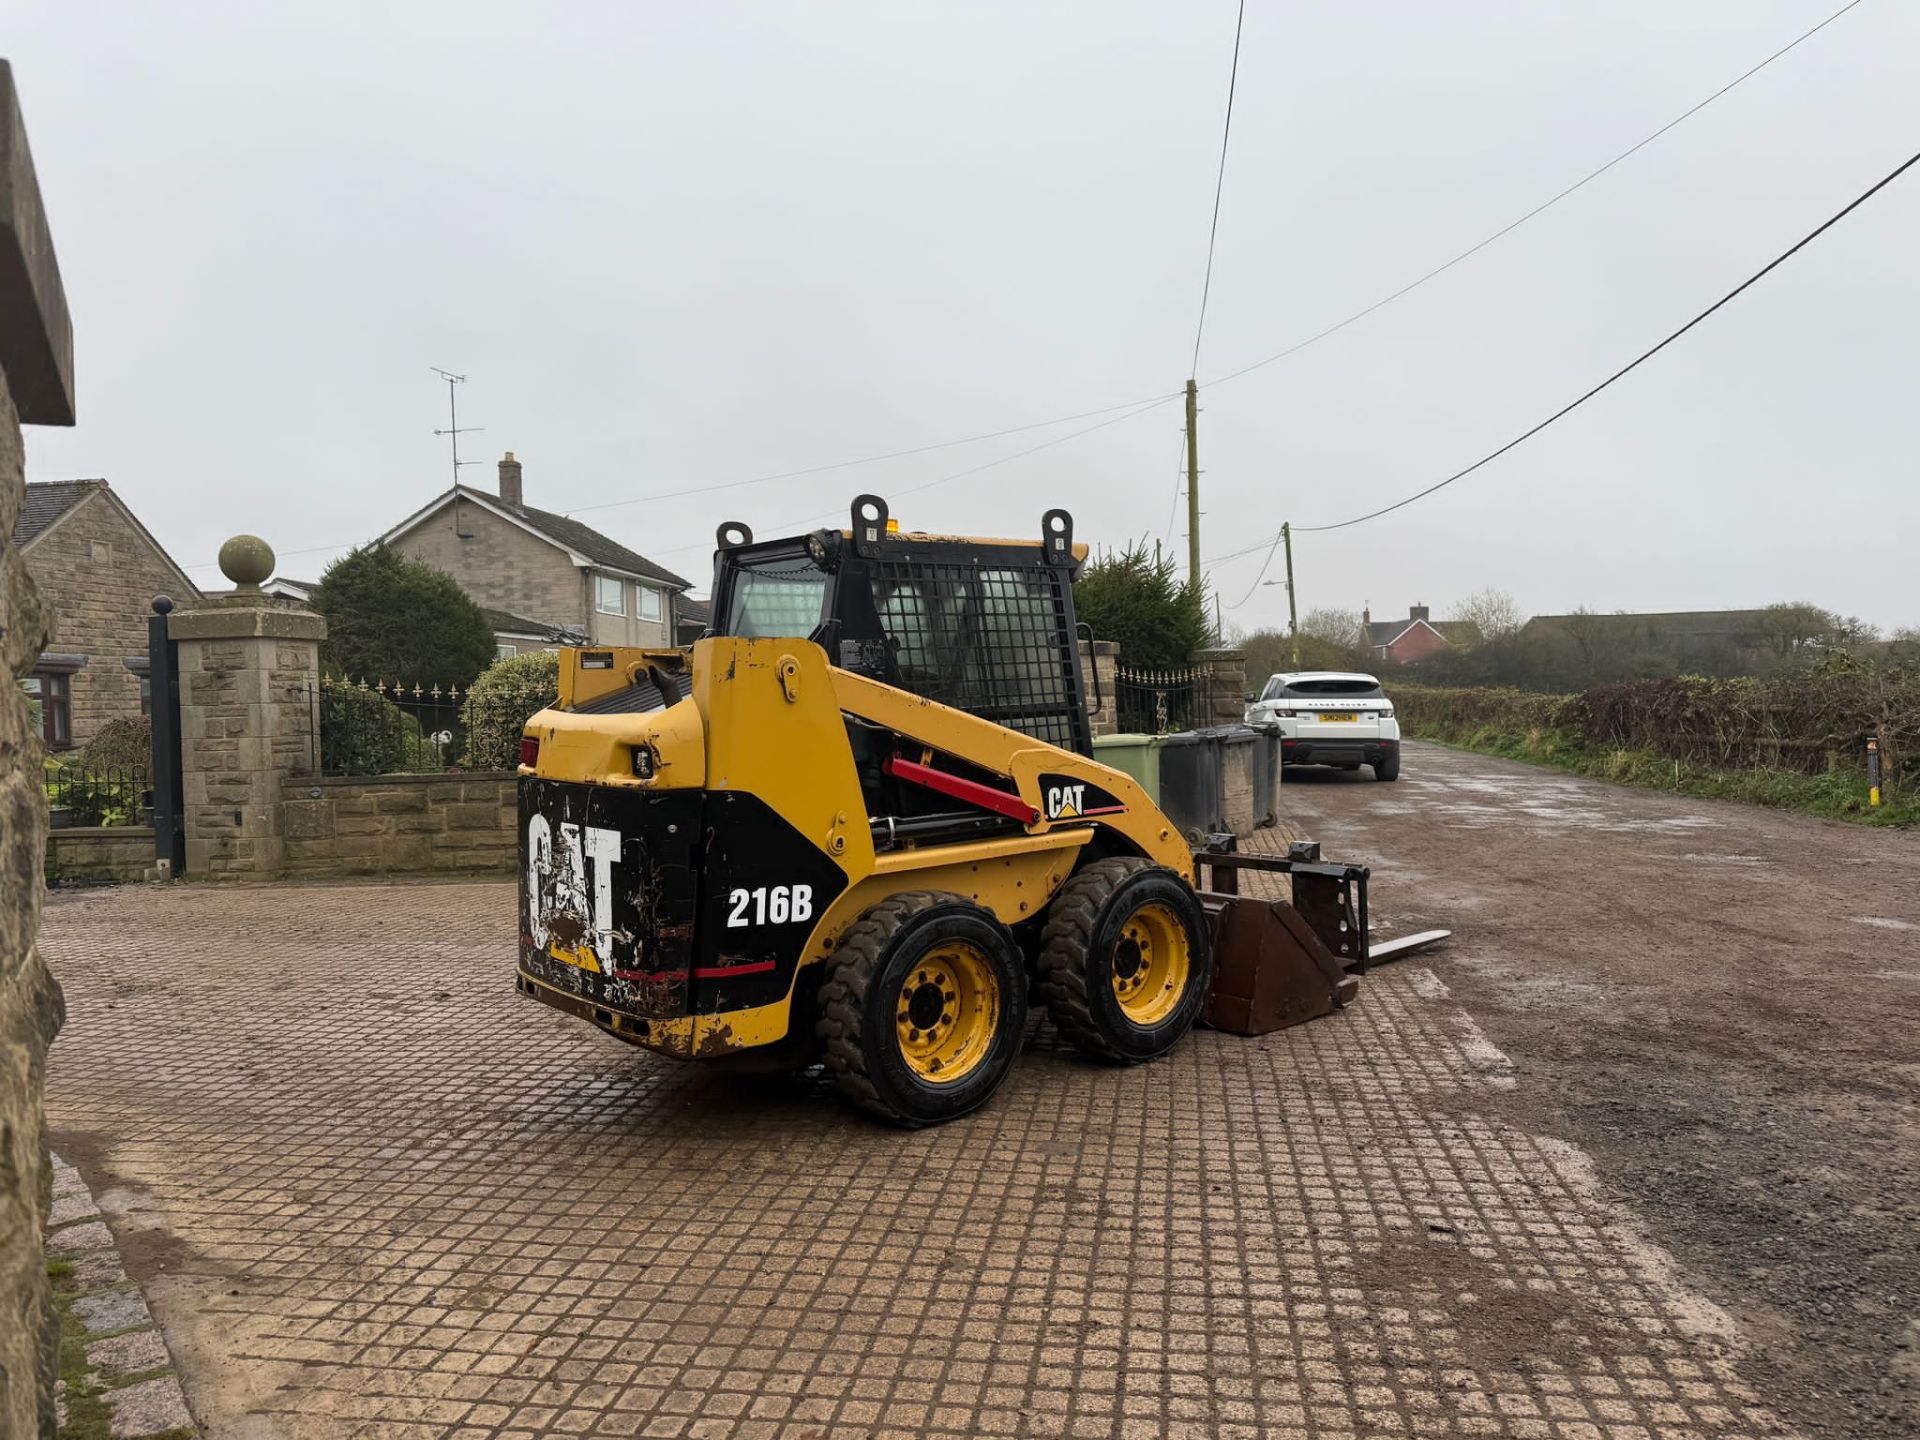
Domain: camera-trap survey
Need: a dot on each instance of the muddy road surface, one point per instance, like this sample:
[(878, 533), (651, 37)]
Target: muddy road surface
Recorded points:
[(1721, 1004)]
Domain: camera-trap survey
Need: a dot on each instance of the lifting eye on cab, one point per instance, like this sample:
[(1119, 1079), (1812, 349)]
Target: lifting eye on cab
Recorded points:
[(645, 763)]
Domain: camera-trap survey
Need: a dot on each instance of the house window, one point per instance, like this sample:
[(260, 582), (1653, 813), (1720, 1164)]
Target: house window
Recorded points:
[(609, 595), (52, 697), (504, 652), (146, 696), (647, 601)]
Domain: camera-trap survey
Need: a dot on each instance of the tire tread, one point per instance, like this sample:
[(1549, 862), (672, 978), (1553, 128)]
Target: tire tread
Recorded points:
[(841, 1012), (1064, 947)]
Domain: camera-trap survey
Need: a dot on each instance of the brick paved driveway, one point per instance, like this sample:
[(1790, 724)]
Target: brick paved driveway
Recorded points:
[(372, 1192)]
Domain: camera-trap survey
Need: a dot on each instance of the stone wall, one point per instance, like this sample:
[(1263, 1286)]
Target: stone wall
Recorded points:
[(98, 574), (1221, 689), (499, 564), (99, 855), (504, 567), (36, 388), (393, 824)]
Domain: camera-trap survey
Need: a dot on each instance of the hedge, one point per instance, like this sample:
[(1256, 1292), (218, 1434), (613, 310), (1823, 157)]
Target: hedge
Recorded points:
[(508, 693), (1808, 723)]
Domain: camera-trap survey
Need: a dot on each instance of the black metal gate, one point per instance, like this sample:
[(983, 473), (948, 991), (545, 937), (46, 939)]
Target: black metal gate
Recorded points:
[(169, 791), (1154, 702)]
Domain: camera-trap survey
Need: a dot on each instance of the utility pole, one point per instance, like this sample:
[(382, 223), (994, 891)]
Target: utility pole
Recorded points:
[(453, 430), (1293, 611), (1193, 486)]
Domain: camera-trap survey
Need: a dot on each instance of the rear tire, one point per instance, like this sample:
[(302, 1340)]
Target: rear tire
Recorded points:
[(1388, 767), (1125, 960), (923, 983)]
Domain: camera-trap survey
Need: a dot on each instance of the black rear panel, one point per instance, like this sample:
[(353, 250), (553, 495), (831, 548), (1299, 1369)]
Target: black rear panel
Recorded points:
[(615, 870), (705, 907)]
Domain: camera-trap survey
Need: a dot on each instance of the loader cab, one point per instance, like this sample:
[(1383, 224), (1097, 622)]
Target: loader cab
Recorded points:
[(986, 626)]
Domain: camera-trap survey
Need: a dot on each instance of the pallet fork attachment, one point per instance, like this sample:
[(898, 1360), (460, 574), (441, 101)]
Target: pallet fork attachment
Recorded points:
[(1277, 963)]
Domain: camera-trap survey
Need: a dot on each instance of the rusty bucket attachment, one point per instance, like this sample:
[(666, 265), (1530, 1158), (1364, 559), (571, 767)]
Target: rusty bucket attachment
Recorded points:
[(1277, 964)]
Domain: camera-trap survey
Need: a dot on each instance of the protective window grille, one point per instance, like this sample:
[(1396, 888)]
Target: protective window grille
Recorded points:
[(1155, 702), (778, 598), (993, 642)]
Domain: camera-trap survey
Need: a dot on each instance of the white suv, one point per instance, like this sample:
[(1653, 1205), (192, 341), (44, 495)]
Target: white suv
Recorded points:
[(1328, 717)]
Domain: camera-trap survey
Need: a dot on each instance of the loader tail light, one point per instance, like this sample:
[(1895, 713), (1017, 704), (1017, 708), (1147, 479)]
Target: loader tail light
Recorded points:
[(529, 750)]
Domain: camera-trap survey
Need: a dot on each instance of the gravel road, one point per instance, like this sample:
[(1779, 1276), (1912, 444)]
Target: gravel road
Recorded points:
[(1721, 1004)]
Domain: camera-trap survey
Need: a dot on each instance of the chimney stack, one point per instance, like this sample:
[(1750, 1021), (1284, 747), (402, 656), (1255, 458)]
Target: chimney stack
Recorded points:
[(1418, 612), (510, 480), (1366, 617)]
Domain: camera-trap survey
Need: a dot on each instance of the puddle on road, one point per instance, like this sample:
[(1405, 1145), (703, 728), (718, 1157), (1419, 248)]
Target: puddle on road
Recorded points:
[(1884, 922)]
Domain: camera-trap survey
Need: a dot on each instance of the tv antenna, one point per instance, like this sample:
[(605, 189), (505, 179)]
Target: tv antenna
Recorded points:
[(454, 431)]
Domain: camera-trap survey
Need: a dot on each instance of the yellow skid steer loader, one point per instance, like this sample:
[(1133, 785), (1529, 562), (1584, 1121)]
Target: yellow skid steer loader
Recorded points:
[(860, 822)]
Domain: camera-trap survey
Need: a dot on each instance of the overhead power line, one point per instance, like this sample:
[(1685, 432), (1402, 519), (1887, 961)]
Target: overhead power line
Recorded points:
[(1219, 184), (1623, 371), (1539, 209), (1205, 291), (874, 459), (828, 516)]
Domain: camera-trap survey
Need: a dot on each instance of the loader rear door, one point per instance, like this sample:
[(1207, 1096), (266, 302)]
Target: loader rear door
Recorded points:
[(609, 883)]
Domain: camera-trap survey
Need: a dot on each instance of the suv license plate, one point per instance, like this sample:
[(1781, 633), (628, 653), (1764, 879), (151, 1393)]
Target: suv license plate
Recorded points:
[(1339, 717)]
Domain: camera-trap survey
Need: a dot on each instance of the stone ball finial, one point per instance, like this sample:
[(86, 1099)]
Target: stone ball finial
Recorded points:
[(246, 560)]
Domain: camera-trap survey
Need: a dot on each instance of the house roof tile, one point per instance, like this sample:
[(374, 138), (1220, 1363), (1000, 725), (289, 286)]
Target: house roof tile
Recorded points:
[(47, 501), (586, 540), (506, 622)]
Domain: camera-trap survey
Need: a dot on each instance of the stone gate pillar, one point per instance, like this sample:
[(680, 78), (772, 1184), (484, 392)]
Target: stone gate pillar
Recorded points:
[(36, 388), (1099, 667), (249, 663), (1221, 687)]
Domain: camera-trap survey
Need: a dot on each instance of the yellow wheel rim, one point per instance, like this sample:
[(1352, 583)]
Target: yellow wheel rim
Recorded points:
[(947, 1013), (1151, 963)]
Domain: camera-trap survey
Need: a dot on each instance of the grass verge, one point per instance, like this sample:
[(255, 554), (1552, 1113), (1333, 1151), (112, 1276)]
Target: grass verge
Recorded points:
[(1833, 796), (88, 1415)]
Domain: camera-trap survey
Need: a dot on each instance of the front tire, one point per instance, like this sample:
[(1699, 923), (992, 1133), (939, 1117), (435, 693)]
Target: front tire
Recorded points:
[(923, 1008), (1125, 961)]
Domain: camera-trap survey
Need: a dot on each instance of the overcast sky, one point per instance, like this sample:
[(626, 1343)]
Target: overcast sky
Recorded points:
[(685, 245)]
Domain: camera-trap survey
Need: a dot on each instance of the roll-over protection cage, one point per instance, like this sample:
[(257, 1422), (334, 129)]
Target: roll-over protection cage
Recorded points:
[(986, 626)]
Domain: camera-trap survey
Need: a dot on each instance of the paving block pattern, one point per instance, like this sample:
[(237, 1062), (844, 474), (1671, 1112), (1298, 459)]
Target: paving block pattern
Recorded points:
[(129, 1372), (401, 1201)]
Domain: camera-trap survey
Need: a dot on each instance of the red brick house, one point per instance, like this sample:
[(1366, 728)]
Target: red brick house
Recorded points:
[(97, 569), (1401, 642)]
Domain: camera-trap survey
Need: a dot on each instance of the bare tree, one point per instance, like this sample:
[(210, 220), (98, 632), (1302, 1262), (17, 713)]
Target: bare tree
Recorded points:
[(1336, 627), (1494, 613), (1335, 640)]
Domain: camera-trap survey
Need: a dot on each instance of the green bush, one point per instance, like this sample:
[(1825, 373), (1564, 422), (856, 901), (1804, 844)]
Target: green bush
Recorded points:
[(362, 733), (391, 618), (508, 694), (1796, 740)]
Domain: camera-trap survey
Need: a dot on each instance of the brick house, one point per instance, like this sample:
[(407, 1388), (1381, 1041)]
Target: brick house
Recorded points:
[(1401, 642), (98, 570), (539, 574)]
